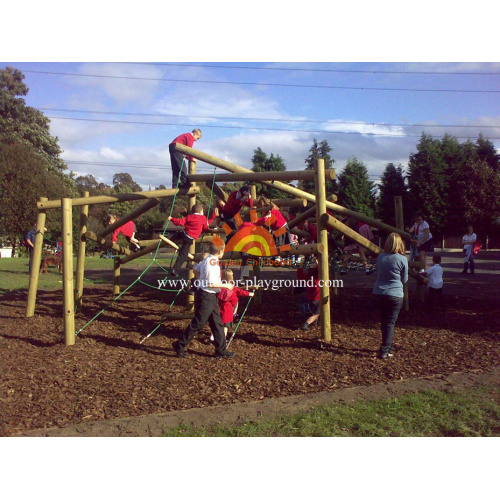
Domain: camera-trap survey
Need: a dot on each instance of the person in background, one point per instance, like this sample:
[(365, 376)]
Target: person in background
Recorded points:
[(312, 291), (423, 239), (179, 169), (29, 243), (468, 241), (434, 278), (392, 273)]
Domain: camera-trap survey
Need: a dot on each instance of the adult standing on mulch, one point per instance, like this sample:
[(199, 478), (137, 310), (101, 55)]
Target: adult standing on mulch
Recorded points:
[(29, 243), (468, 242), (177, 158), (392, 273), (424, 241)]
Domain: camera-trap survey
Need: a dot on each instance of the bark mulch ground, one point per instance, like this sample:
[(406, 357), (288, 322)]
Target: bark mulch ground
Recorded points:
[(109, 374)]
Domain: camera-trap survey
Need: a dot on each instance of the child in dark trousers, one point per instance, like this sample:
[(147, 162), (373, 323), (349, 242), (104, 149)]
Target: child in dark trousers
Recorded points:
[(206, 305), (194, 224), (312, 292)]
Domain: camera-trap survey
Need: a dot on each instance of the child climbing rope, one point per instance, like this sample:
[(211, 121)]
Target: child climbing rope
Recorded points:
[(194, 224)]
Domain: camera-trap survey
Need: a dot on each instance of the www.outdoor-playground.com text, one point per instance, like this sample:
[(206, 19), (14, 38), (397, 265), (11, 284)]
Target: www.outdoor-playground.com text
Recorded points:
[(263, 284)]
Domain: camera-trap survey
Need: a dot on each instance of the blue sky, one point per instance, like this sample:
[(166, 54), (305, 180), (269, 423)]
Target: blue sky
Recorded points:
[(120, 117)]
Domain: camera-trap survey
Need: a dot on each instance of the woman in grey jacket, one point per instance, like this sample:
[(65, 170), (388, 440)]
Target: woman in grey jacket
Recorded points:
[(392, 269)]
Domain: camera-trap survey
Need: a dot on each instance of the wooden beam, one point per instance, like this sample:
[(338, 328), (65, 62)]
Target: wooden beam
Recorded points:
[(398, 207), (174, 245), (218, 191), (212, 160), (67, 255), (108, 244), (80, 260), (35, 262), (288, 175), (308, 213), (323, 267), (119, 197)]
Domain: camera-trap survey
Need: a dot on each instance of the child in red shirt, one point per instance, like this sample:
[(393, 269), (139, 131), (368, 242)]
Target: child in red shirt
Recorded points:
[(194, 224), (128, 230), (312, 291), (278, 223), (234, 204), (228, 300)]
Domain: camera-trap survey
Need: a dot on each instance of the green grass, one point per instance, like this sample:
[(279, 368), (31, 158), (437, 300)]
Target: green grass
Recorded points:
[(472, 413), (14, 272)]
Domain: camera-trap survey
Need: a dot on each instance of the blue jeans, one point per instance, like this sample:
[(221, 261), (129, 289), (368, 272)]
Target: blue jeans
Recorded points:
[(389, 310)]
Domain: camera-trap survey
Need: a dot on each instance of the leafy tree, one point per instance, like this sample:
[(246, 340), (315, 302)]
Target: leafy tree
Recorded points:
[(123, 179), (355, 188), (263, 163), (486, 152), (25, 176), (319, 151), (429, 170), (24, 124), (392, 184), (87, 183)]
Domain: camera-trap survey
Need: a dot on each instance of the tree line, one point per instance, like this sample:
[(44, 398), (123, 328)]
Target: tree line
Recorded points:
[(453, 183)]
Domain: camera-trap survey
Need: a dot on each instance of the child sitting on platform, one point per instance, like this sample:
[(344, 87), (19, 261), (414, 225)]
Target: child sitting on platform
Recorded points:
[(128, 230), (228, 300), (312, 291), (194, 224)]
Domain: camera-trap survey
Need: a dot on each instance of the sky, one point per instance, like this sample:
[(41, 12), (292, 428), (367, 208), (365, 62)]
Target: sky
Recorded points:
[(120, 117)]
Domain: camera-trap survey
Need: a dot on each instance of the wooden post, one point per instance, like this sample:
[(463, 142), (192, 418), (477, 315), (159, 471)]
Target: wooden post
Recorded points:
[(35, 262), (400, 224), (323, 270), (192, 248), (80, 262), (68, 297), (116, 275)]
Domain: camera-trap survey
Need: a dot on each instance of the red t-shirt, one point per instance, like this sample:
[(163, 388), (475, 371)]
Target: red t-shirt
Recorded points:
[(228, 299), (128, 229), (314, 233), (279, 221), (233, 205), (186, 139), (312, 292), (194, 224)]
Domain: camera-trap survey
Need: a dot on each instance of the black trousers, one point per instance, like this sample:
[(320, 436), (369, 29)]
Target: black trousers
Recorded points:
[(206, 309), (435, 297), (179, 167), (183, 251)]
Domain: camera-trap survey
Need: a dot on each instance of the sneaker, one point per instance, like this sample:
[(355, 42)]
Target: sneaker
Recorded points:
[(173, 273), (225, 354), (212, 338), (305, 326), (386, 355), (181, 353)]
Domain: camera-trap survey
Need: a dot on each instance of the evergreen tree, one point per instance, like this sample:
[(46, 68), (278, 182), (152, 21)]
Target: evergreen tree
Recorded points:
[(355, 188), (320, 151), (392, 184), (263, 163)]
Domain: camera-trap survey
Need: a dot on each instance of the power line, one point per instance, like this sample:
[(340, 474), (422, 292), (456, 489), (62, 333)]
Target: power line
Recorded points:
[(370, 134), (323, 70), (291, 120), (288, 85)]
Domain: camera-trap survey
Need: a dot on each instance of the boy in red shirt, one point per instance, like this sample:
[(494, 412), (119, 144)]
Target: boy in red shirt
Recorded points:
[(234, 204), (312, 291), (176, 157), (194, 224), (128, 230)]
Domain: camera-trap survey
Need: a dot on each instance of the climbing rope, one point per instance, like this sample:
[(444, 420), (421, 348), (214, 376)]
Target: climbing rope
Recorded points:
[(241, 319)]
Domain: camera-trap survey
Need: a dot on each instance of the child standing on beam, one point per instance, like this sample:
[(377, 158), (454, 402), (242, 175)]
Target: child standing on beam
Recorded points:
[(194, 224), (206, 305)]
